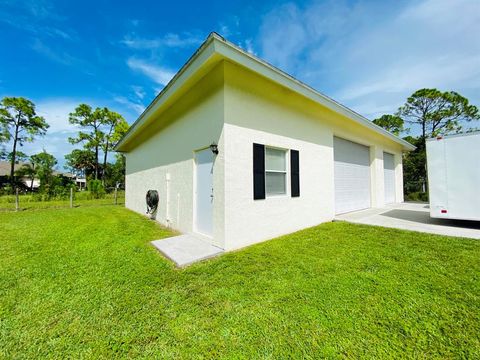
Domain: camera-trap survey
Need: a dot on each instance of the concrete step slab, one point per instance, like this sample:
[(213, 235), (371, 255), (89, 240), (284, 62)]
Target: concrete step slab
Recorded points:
[(186, 249)]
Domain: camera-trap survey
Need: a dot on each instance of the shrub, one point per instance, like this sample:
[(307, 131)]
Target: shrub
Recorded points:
[(97, 191), (417, 196), (6, 190)]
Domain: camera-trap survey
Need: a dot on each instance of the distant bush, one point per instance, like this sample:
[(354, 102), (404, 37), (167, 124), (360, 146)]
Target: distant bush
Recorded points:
[(417, 196), (63, 192), (96, 189), (7, 199), (41, 197), (6, 190), (78, 196)]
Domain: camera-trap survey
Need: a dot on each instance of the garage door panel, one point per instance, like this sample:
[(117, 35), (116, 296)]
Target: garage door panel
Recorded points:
[(389, 177), (352, 176)]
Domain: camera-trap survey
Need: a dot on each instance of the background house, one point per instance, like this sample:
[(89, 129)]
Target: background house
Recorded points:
[(5, 173), (34, 183), (288, 156)]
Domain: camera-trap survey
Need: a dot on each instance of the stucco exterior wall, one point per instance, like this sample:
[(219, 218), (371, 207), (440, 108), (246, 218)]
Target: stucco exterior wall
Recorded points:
[(235, 108), (249, 221), (164, 161), (259, 111)]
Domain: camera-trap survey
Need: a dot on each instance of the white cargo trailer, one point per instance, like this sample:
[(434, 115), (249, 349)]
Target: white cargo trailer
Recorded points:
[(453, 164)]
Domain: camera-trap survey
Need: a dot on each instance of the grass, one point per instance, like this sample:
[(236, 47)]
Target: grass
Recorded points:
[(85, 283)]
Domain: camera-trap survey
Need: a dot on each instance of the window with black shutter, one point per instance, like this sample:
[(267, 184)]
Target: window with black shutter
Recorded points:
[(270, 172), (295, 173), (258, 171)]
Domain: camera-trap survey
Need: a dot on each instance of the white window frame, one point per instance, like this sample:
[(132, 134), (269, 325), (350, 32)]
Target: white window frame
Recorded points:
[(285, 172)]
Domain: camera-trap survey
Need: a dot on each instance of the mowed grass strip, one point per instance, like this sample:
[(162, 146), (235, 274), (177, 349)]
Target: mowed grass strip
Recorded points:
[(85, 283), (81, 199)]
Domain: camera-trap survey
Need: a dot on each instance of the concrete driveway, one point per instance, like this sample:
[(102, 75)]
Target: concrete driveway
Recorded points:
[(415, 217)]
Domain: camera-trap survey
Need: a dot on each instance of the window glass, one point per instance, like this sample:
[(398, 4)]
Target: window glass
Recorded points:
[(275, 171), (275, 183), (275, 159)]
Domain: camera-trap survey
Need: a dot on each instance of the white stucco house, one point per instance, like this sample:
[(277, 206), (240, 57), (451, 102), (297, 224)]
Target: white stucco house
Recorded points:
[(288, 156)]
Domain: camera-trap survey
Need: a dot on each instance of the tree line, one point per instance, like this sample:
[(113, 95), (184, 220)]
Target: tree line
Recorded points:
[(99, 130), (426, 114)]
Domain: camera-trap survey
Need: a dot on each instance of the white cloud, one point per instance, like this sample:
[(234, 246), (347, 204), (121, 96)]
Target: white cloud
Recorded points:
[(224, 30), (41, 9), (60, 57), (139, 91), (36, 17), (168, 40), (157, 73), (54, 143), (373, 55), (229, 27), (136, 107), (283, 36), (444, 72), (248, 46), (56, 112), (134, 22)]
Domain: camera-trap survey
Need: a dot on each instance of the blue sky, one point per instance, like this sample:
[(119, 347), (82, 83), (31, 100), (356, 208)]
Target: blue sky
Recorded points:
[(369, 55)]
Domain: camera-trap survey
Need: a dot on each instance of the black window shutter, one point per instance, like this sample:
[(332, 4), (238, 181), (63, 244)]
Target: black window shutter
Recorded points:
[(258, 171), (295, 173)]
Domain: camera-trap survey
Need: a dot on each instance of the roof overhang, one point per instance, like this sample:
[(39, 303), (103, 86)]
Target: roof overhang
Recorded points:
[(215, 49)]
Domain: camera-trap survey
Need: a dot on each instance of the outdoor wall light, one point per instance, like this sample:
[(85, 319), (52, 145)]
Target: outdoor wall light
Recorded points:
[(214, 148)]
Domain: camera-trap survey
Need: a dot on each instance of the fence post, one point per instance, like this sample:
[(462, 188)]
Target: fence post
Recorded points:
[(115, 196), (17, 205), (71, 197)]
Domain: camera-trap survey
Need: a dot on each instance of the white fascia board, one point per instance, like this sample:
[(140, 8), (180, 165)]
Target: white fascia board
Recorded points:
[(234, 53), (204, 52)]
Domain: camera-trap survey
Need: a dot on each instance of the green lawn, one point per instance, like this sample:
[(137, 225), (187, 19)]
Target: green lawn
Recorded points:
[(85, 283)]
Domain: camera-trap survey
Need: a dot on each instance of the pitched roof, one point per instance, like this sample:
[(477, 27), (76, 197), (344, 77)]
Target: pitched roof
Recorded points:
[(5, 169), (216, 48)]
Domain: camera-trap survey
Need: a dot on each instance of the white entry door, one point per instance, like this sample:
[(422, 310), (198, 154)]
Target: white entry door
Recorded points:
[(351, 176), (389, 176), (204, 192)]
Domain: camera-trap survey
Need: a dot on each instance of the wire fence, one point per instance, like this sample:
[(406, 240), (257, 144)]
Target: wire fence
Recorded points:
[(22, 202)]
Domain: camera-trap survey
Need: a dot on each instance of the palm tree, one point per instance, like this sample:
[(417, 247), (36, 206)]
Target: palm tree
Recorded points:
[(28, 170)]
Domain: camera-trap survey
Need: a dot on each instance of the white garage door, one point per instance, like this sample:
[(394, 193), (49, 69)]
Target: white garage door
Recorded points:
[(389, 176), (351, 175)]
